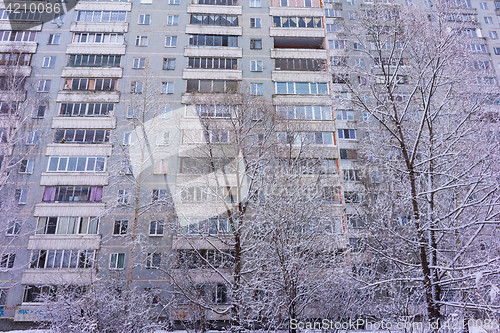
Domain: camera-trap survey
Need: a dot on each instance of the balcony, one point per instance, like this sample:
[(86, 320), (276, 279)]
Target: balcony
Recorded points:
[(88, 96), (74, 178), (103, 5), (217, 9), (74, 149), (64, 242), (92, 72), (116, 27), (296, 11), (84, 122), (61, 276), (95, 49), (213, 30), (69, 209), (213, 52), (297, 32), (299, 53), (212, 74)]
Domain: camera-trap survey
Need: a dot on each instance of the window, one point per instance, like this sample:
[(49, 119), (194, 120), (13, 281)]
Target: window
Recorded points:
[(352, 175), (97, 38), (138, 63), (76, 164), (117, 261), (213, 63), (62, 259), (26, 166), (163, 139), (256, 89), (170, 41), (159, 195), (67, 225), (7, 260), (129, 138), (306, 138), (33, 137), (141, 41), (347, 134), (493, 35), (72, 194), (93, 60), (483, 5), (356, 244), (3, 296), (216, 20), (81, 136), (336, 44), (305, 112), (169, 63), (488, 20), (255, 3), (297, 22), (136, 87), (213, 40), (211, 86), (13, 228), (344, 114), (167, 87), (43, 85), (156, 228), (352, 197), (174, 2), (40, 111), (301, 88), (255, 22), (348, 154), (256, 65), (496, 50), (21, 196), (91, 84), (144, 19), (49, 62), (101, 16), (256, 44), (153, 260), (291, 64), (329, 12), (172, 20), (120, 227), (54, 39), (358, 46), (123, 197)]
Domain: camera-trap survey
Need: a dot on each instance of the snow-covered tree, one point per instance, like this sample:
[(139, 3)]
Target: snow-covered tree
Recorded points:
[(430, 156)]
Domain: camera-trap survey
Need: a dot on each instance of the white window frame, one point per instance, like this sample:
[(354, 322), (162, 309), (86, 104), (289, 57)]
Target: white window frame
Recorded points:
[(141, 41), (123, 196), (255, 22), (13, 228), (159, 228), (120, 223), (257, 89), (113, 262), (49, 62), (33, 137), (255, 3), (54, 39), (167, 87), (171, 41), (144, 19), (172, 20), (22, 198), (43, 85), (29, 165), (256, 65), (138, 63)]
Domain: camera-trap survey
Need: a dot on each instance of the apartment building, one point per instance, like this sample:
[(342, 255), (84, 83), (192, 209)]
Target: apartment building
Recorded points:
[(97, 66)]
